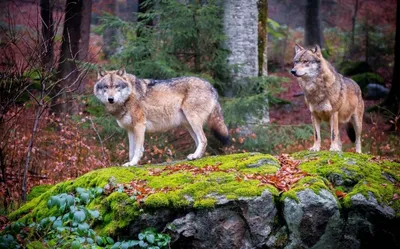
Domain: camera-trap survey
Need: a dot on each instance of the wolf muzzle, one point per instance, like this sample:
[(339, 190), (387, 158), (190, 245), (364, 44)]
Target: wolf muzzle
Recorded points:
[(110, 100)]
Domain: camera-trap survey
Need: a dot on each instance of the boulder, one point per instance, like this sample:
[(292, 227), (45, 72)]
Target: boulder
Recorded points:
[(341, 200)]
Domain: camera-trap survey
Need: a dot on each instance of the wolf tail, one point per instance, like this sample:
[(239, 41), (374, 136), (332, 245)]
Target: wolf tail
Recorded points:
[(351, 132), (217, 125)]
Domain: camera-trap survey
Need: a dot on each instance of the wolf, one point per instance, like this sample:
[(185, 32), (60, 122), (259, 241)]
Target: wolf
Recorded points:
[(144, 105), (329, 96)]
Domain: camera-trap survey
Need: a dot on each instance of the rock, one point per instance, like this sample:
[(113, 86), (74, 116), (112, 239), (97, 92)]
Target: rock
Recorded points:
[(376, 91), (218, 209), (371, 206), (246, 223), (312, 220)]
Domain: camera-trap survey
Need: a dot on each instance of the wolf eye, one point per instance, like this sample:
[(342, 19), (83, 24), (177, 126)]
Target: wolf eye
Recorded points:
[(105, 87), (305, 61), (295, 62)]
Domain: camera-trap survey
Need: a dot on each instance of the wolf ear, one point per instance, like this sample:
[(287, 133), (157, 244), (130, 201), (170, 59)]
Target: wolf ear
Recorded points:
[(298, 48), (100, 72), (121, 71), (316, 50)]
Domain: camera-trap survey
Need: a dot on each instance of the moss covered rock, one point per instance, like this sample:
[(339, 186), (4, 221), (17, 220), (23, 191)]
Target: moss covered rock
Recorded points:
[(223, 194)]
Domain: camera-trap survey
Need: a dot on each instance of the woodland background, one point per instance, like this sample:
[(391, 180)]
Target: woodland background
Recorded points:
[(53, 129)]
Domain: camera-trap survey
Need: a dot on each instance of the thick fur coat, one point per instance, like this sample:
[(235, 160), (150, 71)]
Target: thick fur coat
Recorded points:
[(142, 105)]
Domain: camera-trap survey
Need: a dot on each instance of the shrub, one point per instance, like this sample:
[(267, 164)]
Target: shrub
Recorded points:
[(364, 79)]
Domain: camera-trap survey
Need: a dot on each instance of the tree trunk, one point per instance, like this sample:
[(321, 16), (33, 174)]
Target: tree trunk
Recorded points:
[(46, 14), (313, 30), (67, 68), (353, 26), (262, 37), (111, 35), (85, 37), (392, 101)]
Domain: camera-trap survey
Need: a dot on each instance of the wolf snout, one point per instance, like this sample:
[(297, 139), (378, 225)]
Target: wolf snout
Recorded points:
[(110, 100), (293, 71)]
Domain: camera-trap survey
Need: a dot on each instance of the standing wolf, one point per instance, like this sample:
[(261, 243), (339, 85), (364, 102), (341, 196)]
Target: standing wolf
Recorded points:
[(141, 106), (329, 96)]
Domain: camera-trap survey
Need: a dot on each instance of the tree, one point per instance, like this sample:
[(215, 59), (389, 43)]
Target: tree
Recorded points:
[(46, 14), (313, 30), (262, 37), (85, 36), (392, 102), (71, 51)]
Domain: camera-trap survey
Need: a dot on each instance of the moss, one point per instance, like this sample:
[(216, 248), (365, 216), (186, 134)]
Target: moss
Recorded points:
[(157, 200), (36, 209), (170, 181), (205, 203), (37, 191), (237, 161), (355, 173), (315, 183), (118, 210), (99, 178)]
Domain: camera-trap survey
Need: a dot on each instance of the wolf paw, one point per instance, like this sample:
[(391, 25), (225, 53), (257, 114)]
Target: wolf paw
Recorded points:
[(314, 148), (133, 162), (192, 156), (335, 148), (128, 164)]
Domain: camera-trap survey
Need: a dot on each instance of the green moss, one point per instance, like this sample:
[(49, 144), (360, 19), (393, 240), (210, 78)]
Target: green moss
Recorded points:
[(37, 191), (36, 209), (347, 172), (315, 183), (237, 161), (157, 200), (205, 203), (99, 178), (170, 181), (118, 210), (355, 173)]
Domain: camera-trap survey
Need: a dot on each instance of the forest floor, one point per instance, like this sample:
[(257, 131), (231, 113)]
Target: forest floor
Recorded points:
[(378, 138)]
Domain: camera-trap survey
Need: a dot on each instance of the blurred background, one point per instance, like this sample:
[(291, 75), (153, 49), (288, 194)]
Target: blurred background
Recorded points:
[(52, 128)]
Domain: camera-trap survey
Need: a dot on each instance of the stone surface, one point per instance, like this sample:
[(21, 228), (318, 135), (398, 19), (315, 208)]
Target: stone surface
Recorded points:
[(246, 223), (312, 217)]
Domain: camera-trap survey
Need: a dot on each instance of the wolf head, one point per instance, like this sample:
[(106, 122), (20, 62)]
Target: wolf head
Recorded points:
[(307, 62), (112, 87)]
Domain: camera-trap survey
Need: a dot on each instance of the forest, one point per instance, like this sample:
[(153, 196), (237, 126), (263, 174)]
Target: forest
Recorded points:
[(54, 130)]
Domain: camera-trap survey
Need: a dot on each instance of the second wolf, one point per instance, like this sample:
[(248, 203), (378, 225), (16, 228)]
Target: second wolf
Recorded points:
[(159, 105), (329, 96)]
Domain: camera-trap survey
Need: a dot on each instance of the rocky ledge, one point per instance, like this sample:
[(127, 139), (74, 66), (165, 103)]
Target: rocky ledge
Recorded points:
[(321, 200)]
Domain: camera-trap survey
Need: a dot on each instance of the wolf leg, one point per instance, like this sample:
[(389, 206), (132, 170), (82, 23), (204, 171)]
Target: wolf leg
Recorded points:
[(201, 139), (138, 145), (357, 125), (317, 134), (131, 137), (335, 137), (202, 144), (192, 134)]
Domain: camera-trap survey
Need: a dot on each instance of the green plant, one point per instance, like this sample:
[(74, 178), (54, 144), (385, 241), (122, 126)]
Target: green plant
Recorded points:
[(149, 239), (69, 223), (251, 96), (363, 79), (189, 43)]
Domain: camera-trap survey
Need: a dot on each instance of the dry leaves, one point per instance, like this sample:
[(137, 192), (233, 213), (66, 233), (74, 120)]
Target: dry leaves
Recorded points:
[(284, 178)]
